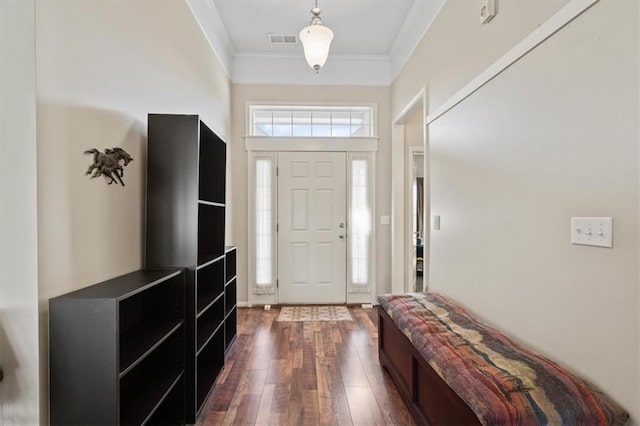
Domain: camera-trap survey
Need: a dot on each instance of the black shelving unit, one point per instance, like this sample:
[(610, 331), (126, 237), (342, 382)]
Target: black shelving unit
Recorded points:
[(230, 296), (185, 228), (116, 351)]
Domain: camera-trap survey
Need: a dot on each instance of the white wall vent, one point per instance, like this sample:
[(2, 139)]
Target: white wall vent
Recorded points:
[(282, 38)]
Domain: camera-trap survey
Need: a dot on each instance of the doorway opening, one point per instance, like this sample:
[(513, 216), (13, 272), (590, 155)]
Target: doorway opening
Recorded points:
[(417, 218), (410, 198)]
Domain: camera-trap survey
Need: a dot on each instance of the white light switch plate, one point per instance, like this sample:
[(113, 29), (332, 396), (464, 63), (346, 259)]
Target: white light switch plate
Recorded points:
[(436, 222), (592, 231)]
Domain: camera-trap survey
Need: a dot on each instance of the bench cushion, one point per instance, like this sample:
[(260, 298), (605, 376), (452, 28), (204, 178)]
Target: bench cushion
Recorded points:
[(501, 381)]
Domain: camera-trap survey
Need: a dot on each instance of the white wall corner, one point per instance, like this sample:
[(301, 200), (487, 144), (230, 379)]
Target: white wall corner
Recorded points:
[(419, 20), (340, 70), (212, 26), (22, 392)]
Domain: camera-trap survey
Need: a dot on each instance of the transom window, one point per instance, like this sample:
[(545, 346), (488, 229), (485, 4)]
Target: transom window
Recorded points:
[(311, 121)]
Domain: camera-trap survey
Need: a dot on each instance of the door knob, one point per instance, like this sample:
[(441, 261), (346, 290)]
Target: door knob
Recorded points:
[(341, 225), (341, 236)]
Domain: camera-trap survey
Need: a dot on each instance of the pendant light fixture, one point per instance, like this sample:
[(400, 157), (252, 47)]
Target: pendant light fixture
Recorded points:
[(316, 40)]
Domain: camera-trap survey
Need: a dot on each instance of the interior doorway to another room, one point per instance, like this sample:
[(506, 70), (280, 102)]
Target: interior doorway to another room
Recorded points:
[(417, 218), (410, 198)]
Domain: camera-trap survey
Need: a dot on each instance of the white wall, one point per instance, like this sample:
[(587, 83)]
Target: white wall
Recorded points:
[(311, 95), (102, 66), (18, 216), (457, 47), (554, 136)]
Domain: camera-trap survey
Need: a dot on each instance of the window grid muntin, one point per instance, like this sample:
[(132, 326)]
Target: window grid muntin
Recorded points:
[(272, 121)]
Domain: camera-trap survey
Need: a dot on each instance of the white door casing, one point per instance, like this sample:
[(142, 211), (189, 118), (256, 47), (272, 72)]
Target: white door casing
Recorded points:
[(262, 202), (312, 227), (402, 279)]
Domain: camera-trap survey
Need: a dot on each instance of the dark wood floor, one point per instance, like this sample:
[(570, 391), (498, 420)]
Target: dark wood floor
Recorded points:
[(305, 373)]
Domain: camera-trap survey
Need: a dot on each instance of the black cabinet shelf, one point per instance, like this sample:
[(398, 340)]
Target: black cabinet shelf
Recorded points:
[(169, 411), (212, 167), (210, 362), (116, 350), (167, 401), (209, 321), (186, 228), (210, 283), (141, 341), (209, 262), (212, 303), (215, 302), (210, 232), (230, 297), (140, 407), (230, 263), (211, 203), (204, 346), (230, 328)]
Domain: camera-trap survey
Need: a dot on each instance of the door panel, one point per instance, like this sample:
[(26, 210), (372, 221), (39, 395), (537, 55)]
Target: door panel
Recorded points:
[(311, 207), (300, 209)]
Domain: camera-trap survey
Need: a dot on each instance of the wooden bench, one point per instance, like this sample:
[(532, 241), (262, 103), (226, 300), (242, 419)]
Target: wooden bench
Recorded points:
[(454, 370)]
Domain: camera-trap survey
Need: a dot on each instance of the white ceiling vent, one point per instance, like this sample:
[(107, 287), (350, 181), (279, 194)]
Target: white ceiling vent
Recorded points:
[(282, 38)]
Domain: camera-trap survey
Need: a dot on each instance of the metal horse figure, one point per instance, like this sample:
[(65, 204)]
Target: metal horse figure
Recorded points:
[(108, 163)]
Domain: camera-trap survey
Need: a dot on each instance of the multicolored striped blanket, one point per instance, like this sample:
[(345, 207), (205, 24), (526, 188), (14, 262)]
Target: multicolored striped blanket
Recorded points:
[(501, 381)]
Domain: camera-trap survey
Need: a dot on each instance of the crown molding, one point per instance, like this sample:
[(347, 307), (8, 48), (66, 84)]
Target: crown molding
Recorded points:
[(300, 55), (212, 26), (415, 26), (289, 68), (340, 70)]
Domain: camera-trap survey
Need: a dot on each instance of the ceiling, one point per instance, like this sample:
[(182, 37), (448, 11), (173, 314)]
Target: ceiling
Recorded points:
[(372, 38), (361, 27)]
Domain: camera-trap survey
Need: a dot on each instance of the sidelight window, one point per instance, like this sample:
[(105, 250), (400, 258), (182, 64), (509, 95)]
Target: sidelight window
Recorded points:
[(360, 196), (361, 223), (264, 236), (264, 232)]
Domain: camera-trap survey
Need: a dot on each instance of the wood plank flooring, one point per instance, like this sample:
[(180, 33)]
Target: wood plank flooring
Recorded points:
[(304, 373)]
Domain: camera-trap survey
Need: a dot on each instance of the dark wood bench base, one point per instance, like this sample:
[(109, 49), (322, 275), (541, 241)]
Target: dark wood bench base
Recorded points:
[(429, 398)]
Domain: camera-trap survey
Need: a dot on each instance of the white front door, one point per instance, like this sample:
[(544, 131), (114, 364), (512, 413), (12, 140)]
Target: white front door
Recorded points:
[(311, 221)]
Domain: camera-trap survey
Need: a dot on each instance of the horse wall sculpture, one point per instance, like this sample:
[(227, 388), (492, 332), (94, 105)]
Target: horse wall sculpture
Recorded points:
[(107, 163)]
